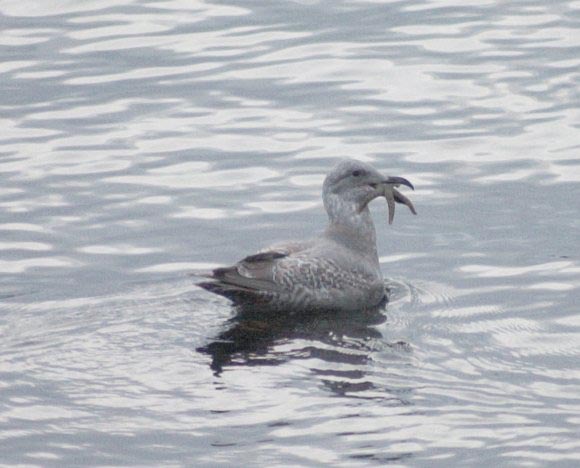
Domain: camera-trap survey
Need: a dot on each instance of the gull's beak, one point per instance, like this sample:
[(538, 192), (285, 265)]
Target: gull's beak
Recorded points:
[(396, 181), (393, 195)]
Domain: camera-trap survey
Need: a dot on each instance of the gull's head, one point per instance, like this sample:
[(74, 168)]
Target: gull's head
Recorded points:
[(353, 184)]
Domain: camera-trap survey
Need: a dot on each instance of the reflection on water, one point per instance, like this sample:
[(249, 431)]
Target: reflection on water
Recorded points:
[(332, 336), (143, 140)]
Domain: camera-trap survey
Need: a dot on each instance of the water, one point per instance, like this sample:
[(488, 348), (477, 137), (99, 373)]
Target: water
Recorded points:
[(145, 140)]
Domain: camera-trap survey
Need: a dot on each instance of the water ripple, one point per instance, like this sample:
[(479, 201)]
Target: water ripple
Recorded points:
[(145, 141)]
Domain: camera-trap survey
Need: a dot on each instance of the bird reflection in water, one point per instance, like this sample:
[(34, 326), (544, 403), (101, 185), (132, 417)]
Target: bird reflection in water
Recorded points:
[(342, 340)]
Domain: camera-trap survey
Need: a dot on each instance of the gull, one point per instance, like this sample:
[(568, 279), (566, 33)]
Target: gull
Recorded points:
[(339, 269)]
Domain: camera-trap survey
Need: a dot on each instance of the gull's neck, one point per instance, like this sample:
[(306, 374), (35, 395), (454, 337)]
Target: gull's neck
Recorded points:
[(352, 228)]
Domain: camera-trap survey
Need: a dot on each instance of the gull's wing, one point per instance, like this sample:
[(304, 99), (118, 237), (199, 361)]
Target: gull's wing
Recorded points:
[(253, 273), (256, 279), (299, 276)]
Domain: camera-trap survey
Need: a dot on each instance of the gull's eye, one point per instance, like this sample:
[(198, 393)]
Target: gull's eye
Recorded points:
[(356, 173)]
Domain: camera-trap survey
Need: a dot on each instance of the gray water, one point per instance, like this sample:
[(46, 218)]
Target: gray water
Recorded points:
[(143, 141)]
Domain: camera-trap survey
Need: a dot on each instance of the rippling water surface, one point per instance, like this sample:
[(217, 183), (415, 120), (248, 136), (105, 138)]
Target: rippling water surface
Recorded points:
[(145, 140)]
